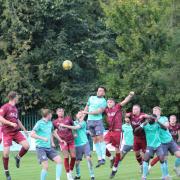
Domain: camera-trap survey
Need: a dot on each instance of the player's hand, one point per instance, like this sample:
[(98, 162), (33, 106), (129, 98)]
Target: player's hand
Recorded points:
[(75, 135), (53, 145), (13, 124), (45, 139), (61, 125), (85, 112), (131, 93), (64, 142)]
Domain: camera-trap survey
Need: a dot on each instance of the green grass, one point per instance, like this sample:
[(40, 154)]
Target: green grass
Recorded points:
[(128, 170)]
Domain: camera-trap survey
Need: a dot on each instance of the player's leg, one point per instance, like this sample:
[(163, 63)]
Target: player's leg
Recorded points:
[(107, 140), (99, 129), (20, 139), (153, 162), (78, 171), (79, 155), (44, 170), (91, 128), (177, 166), (58, 161), (53, 155), (43, 160), (6, 151), (73, 157), (137, 148), (116, 139), (87, 153), (148, 154), (164, 167), (90, 167), (0, 134), (116, 162), (7, 142)]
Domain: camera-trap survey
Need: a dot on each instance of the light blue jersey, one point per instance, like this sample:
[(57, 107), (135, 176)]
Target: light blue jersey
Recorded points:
[(81, 138), (165, 135), (95, 103), (128, 134), (43, 128)]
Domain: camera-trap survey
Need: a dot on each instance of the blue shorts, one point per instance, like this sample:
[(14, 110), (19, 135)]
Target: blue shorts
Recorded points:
[(126, 148), (172, 147), (82, 150), (95, 127), (150, 151), (43, 154)]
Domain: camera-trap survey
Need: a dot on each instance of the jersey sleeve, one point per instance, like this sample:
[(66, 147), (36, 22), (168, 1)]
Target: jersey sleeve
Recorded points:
[(118, 106), (82, 124), (3, 110), (104, 104), (36, 127)]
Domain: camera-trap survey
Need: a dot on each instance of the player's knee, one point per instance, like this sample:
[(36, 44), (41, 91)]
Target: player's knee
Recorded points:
[(45, 166), (26, 146), (88, 158), (6, 154)]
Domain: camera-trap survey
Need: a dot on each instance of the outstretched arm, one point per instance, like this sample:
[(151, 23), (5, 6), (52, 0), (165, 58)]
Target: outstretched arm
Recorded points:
[(71, 127), (127, 99), (141, 126)]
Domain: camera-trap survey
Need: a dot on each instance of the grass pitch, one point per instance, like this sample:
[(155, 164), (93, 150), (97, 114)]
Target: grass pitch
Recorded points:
[(128, 169)]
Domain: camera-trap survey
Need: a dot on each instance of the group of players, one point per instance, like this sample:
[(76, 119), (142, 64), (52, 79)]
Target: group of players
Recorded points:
[(145, 134)]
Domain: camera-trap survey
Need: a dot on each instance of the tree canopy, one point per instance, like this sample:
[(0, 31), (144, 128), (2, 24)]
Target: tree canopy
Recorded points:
[(123, 45)]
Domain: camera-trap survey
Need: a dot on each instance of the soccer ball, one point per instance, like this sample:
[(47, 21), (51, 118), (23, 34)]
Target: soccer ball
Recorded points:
[(67, 65)]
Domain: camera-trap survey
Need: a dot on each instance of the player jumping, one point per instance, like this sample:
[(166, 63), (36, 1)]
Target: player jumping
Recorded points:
[(82, 144), (42, 132), (66, 141), (94, 108), (139, 146), (11, 131), (114, 121)]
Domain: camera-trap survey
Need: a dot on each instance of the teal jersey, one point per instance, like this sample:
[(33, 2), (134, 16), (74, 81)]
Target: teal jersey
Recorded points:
[(165, 135), (128, 134), (81, 138), (43, 128), (152, 135), (94, 103)]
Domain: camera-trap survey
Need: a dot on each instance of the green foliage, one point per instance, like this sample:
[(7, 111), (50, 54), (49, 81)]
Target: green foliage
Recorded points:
[(36, 37), (142, 48)]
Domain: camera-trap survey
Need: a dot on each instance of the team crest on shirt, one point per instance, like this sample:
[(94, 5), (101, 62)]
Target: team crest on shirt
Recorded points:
[(111, 114)]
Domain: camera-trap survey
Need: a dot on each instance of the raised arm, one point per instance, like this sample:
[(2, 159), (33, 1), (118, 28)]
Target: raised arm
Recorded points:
[(141, 126), (71, 127), (127, 99)]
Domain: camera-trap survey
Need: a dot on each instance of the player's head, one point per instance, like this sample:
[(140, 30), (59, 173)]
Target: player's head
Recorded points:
[(101, 91), (79, 115), (157, 110), (46, 113), (13, 96), (136, 109), (127, 119), (172, 119), (110, 102), (60, 112)]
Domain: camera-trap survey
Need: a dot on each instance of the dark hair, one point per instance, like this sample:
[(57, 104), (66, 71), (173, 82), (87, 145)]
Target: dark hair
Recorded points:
[(59, 109), (45, 112), (102, 87), (12, 95)]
